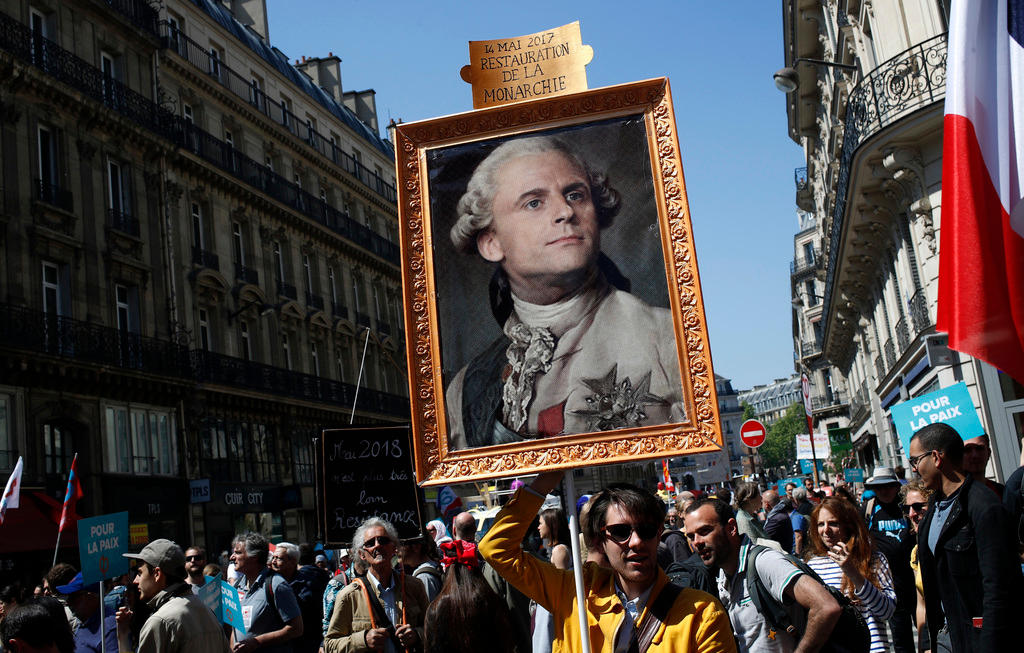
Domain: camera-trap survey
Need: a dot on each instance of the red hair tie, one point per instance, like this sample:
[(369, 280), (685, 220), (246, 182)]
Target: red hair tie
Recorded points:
[(459, 552)]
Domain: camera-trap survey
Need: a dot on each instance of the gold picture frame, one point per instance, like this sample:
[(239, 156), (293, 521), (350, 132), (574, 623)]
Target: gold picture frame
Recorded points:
[(433, 159)]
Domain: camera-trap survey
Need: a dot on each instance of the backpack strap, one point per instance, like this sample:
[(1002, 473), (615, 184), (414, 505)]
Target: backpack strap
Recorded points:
[(656, 615), (268, 587), (774, 613)]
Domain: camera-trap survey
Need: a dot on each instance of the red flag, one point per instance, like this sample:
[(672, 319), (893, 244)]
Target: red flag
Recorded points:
[(981, 257), (71, 497)]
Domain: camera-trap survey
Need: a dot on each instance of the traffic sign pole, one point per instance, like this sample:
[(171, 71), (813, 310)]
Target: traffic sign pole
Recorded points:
[(753, 434), (805, 386)]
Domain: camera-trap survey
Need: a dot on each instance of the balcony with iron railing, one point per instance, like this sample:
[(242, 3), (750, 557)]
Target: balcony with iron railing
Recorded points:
[(256, 174), (911, 81), (80, 75), (902, 335), (879, 367), (243, 88), (205, 259), (123, 222), (810, 348), (44, 333), (228, 370), (138, 12), (828, 400), (26, 329), (803, 264), (52, 194), (918, 306), (247, 274), (890, 354)]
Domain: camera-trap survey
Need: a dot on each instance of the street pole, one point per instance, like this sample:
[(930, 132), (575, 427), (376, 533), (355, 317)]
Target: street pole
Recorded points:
[(805, 387)]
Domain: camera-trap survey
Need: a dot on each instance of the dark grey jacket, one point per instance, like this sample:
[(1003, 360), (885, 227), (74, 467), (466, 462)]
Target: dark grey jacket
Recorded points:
[(975, 573)]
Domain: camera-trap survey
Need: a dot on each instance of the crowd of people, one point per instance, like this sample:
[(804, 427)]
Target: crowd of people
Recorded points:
[(759, 571)]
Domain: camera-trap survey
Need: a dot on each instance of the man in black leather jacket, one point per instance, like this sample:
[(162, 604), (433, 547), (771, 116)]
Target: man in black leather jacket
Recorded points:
[(972, 577)]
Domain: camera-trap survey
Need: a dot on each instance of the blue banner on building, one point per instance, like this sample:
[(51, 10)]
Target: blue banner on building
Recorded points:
[(952, 405)]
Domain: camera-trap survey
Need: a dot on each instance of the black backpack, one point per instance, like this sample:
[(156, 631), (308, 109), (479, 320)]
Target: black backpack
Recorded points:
[(850, 635)]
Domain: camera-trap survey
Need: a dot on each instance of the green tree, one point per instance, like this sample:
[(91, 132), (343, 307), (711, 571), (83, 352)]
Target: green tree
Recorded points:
[(779, 448), (748, 411)]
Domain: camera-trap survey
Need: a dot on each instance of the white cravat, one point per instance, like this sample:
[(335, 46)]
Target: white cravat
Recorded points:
[(534, 330)]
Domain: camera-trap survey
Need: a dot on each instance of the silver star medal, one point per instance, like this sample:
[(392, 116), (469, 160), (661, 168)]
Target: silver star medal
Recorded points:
[(617, 404)]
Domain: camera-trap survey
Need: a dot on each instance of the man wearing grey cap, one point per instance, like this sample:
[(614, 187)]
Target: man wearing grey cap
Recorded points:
[(179, 621)]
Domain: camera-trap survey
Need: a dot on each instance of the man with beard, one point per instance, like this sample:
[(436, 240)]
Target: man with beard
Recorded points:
[(711, 529), (969, 566), (895, 539), (578, 352), (977, 451), (631, 602), (195, 561)]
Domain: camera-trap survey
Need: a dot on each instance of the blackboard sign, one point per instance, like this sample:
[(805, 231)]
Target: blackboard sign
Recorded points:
[(366, 472)]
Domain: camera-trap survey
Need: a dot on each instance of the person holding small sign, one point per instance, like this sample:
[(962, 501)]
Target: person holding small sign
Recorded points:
[(631, 605), (178, 623), (383, 610), (270, 612)]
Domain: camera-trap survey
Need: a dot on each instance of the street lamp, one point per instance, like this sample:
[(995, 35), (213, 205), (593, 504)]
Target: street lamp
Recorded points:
[(787, 80)]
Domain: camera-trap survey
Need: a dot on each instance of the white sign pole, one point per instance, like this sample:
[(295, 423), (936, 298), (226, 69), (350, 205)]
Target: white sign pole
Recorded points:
[(103, 632), (577, 566)]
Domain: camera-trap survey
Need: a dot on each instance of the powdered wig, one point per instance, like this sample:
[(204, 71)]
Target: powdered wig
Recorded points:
[(475, 205)]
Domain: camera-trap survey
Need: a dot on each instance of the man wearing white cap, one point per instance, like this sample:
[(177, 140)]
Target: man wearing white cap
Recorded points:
[(895, 539), (179, 621)]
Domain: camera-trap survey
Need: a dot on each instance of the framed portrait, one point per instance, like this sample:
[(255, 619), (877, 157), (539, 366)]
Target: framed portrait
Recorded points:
[(552, 302)]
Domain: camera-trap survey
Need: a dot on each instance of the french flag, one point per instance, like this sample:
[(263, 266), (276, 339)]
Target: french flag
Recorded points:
[(981, 257)]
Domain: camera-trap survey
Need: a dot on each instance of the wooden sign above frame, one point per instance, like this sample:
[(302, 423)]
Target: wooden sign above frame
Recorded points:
[(578, 198)]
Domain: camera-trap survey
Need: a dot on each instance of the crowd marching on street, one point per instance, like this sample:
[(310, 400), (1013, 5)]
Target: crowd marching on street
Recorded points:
[(927, 564)]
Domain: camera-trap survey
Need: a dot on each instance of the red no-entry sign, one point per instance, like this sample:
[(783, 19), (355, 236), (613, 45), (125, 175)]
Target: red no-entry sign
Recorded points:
[(753, 433)]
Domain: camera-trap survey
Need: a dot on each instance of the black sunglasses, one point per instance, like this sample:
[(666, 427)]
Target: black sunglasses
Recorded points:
[(620, 533), (918, 507), (193, 558), (380, 540)]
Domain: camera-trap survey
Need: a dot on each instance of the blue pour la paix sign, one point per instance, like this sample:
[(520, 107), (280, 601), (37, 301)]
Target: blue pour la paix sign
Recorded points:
[(952, 405), (101, 542), (853, 475)]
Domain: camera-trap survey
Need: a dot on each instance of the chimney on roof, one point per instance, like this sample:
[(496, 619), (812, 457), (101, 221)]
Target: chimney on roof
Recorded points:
[(253, 14), (325, 73), (364, 105)]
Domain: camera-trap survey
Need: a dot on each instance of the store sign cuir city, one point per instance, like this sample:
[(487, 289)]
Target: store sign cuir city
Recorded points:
[(552, 62)]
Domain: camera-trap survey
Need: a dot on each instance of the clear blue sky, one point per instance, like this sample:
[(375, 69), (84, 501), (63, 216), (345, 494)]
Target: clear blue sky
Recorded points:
[(719, 58)]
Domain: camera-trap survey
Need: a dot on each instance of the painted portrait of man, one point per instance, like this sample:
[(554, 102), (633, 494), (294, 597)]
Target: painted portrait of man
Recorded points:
[(559, 231)]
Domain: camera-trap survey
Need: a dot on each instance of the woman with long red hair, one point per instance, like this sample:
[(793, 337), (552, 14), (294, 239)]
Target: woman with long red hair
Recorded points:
[(842, 552)]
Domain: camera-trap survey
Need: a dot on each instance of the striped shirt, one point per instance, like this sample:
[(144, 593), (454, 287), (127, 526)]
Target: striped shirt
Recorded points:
[(875, 604)]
